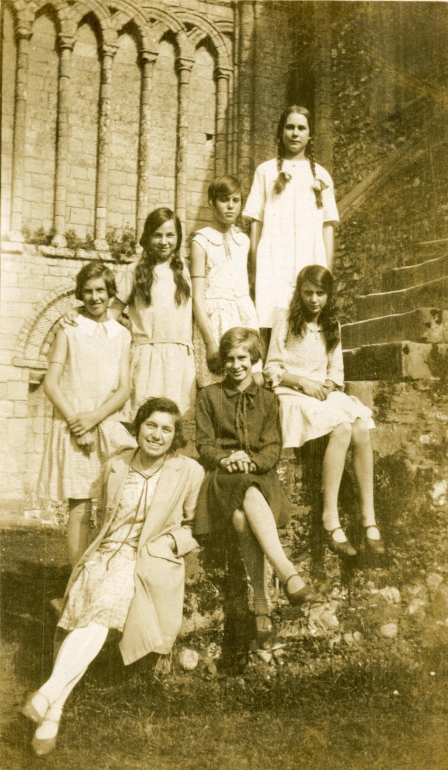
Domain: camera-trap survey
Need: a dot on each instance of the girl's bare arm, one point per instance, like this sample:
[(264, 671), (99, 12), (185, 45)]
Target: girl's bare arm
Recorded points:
[(199, 309), (328, 236), (52, 388), (256, 228)]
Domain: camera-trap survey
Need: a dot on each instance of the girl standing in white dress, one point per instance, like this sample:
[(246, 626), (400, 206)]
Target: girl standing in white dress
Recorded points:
[(219, 274), (293, 212), (305, 368), (157, 292), (87, 382)]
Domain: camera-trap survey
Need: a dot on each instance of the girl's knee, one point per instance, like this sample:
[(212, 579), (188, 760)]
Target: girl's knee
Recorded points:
[(252, 495), (80, 511), (239, 521), (360, 432), (343, 432)]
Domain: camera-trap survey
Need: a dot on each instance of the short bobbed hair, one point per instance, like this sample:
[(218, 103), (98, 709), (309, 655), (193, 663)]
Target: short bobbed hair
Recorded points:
[(238, 336), (95, 269), (168, 407), (223, 187)]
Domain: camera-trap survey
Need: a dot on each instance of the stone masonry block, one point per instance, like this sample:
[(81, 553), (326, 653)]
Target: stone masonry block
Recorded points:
[(18, 391), (6, 408), (393, 361), (432, 294), (413, 275), (422, 325)]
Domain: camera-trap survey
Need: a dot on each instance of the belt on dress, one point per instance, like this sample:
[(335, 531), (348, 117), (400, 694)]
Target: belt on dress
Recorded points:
[(141, 339)]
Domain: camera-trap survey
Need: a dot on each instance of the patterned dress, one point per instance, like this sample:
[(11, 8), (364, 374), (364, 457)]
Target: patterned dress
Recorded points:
[(91, 374), (292, 234), (227, 299), (162, 361), (104, 589), (303, 417)]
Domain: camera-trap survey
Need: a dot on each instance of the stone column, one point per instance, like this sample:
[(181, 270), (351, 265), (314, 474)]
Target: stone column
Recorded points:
[(18, 158), (184, 68), (66, 43), (222, 99), (108, 53), (246, 91), (147, 62)]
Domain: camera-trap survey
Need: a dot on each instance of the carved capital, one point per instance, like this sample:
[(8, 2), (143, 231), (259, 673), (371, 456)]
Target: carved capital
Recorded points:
[(222, 72), (66, 42), (185, 64), (109, 49), (148, 57)]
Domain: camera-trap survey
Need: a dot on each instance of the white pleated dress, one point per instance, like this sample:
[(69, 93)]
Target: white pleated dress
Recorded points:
[(227, 298), (91, 374), (292, 234), (162, 360), (303, 417)]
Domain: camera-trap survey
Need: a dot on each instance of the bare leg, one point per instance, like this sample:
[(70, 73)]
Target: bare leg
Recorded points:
[(80, 512), (262, 524), (363, 467), (254, 561), (334, 462), (78, 650)]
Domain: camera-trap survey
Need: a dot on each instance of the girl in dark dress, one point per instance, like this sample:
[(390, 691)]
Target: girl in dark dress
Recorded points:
[(239, 442)]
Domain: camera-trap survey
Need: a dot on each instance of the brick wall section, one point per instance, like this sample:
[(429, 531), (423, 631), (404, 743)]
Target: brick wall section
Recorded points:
[(163, 127), (201, 138), (84, 93), (41, 116), (8, 70), (124, 128)]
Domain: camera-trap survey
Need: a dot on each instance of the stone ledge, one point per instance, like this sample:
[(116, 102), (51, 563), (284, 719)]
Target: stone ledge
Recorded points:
[(413, 275), (424, 325), (431, 294), (395, 361)]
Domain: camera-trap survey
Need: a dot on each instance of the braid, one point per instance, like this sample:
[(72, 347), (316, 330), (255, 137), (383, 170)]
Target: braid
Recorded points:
[(309, 152), (144, 279), (283, 178), (183, 291)]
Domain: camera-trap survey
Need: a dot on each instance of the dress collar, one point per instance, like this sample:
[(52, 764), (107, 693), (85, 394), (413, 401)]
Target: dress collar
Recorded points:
[(110, 326), (230, 390), (217, 238)]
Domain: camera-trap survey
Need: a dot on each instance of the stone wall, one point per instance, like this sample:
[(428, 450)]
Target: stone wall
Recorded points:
[(107, 114)]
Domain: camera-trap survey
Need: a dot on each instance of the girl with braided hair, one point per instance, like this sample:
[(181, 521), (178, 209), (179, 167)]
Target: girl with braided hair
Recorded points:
[(293, 212), (157, 291)]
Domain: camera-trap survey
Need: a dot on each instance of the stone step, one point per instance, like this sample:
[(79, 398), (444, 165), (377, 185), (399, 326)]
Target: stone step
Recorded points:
[(395, 361), (414, 275), (429, 249), (422, 325), (430, 294)]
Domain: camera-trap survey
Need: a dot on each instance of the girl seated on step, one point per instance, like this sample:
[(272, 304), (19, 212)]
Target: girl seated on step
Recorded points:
[(305, 368), (239, 442), (132, 576)]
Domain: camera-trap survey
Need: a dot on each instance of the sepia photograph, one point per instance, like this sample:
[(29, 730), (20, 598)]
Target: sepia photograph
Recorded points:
[(224, 273)]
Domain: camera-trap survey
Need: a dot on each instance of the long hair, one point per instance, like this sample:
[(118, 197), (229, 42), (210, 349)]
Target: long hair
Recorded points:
[(283, 179), (298, 317), (166, 406), (144, 272)]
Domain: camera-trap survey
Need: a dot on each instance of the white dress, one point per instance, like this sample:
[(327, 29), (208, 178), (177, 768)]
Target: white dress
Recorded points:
[(162, 361), (103, 590), (303, 417), (91, 374), (227, 299), (292, 234)]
